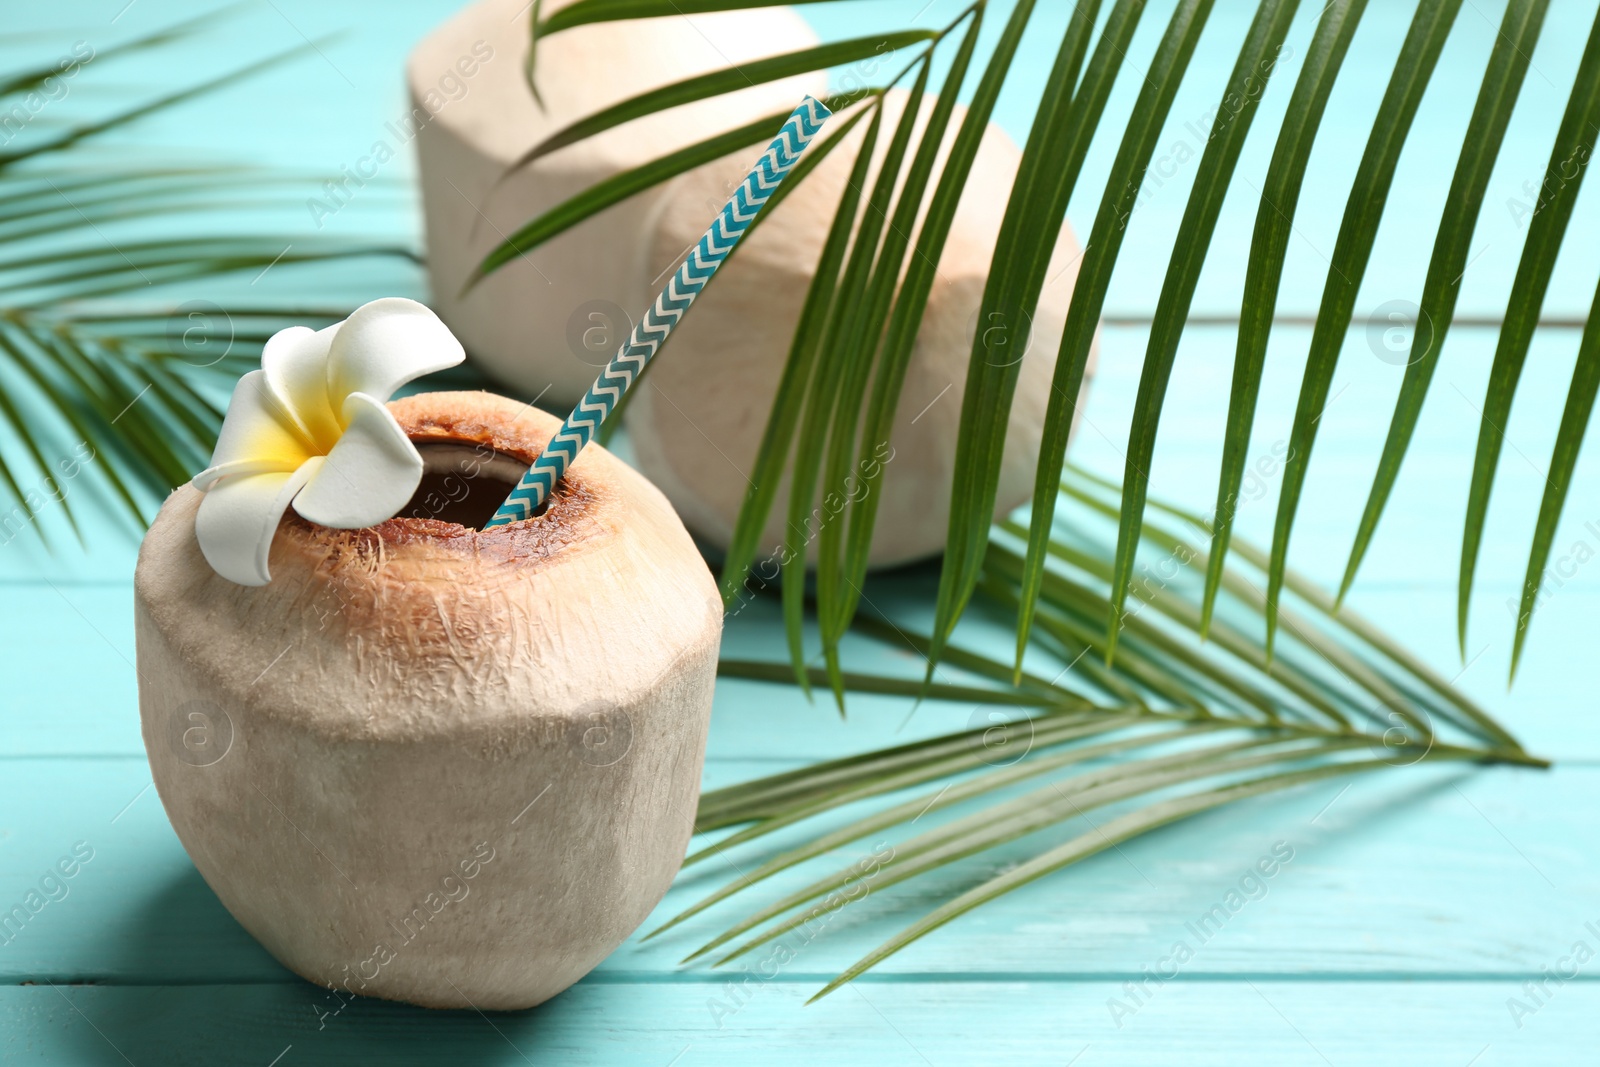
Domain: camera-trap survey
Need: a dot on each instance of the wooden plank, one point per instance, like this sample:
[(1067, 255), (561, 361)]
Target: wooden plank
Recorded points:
[(1409, 873), (1417, 903), (1417, 542), (1190, 1020)]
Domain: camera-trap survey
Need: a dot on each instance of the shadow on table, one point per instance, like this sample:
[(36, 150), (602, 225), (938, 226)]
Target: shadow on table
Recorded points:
[(207, 993), (248, 1009)]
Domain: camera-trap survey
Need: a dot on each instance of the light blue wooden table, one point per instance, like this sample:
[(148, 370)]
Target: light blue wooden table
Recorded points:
[(1419, 909)]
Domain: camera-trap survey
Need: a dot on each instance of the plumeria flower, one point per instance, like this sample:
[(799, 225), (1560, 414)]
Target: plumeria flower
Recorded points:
[(310, 428)]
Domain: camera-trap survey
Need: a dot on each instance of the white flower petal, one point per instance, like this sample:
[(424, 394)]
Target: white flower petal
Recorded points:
[(255, 431), (233, 468), (239, 516), (385, 344), (369, 475), (296, 363)]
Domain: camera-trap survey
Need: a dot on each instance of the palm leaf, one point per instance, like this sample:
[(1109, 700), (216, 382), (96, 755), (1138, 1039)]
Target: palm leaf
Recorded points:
[(586, 12), (1257, 60), (1574, 420), (1280, 194), (1575, 143), (838, 599), (1094, 279), (1100, 838), (1001, 823), (1048, 173), (1296, 708), (830, 402), (1339, 699), (620, 187), (127, 390), (815, 314), (815, 429), (1351, 252), (895, 815), (818, 152), (719, 82), (1508, 65)]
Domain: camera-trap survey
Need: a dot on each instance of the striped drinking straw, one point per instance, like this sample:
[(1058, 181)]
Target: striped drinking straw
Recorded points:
[(652, 332)]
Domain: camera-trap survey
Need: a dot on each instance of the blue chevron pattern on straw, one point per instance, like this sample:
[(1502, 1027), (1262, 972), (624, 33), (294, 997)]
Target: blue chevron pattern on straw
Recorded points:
[(653, 330)]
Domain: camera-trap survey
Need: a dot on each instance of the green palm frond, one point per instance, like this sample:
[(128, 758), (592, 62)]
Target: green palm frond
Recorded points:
[(102, 366), (1575, 140), (1173, 728), (846, 365), (1155, 694), (1491, 114)]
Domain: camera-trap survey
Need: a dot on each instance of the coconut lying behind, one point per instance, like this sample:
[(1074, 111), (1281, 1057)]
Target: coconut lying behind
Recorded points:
[(697, 419), (428, 763), (556, 316)]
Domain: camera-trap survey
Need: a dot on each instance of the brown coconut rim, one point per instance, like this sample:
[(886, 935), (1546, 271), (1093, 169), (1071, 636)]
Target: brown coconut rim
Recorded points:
[(508, 436)]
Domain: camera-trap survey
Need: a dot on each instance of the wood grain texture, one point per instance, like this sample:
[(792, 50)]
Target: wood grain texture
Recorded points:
[(1417, 905), (1205, 1023), (1421, 872)]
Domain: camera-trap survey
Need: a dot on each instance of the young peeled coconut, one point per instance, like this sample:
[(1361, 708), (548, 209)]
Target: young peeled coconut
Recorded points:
[(424, 762), (554, 317), (697, 419)]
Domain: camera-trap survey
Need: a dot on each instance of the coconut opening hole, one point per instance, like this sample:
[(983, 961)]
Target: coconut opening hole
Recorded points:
[(464, 482)]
